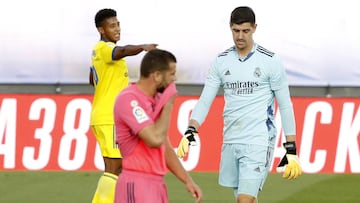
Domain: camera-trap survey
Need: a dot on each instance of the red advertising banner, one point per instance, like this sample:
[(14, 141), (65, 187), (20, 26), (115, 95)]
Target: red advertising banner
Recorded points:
[(51, 132)]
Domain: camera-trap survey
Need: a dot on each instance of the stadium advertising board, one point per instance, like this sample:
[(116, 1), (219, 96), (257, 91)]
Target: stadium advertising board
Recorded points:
[(317, 40), (51, 132)]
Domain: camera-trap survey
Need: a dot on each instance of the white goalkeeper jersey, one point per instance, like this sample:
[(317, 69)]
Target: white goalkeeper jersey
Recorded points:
[(250, 86)]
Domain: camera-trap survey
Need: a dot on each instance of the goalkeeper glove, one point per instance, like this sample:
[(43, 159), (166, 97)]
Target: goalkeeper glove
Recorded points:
[(187, 140), (290, 164)]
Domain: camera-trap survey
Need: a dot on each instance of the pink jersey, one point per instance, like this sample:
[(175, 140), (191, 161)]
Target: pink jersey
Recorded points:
[(140, 187), (133, 111)]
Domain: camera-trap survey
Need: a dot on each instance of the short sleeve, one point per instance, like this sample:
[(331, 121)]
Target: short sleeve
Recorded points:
[(128, 109), (107, 52)]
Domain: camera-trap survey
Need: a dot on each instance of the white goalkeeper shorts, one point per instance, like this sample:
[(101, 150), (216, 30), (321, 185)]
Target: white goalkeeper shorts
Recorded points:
[(244, 167)]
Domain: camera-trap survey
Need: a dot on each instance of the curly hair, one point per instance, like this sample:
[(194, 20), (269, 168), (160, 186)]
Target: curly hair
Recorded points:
[(102, 15)]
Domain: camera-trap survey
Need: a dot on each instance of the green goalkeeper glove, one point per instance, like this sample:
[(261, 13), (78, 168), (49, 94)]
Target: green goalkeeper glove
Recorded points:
[(290, 164), (187, 140)]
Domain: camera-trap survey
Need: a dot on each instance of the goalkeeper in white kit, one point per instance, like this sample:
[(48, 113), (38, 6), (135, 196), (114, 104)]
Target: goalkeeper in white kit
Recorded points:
[(252, 77)]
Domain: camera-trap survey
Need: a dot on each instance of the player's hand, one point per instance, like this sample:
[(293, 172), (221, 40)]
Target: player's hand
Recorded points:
[(290, 164), (149, 47), (187, 140), (195, 191)]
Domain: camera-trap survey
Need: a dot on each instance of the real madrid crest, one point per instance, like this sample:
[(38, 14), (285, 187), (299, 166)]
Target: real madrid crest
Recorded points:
[(257, 72)]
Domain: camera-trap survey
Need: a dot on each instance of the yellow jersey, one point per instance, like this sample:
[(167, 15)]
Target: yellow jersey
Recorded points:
[(109, 77)]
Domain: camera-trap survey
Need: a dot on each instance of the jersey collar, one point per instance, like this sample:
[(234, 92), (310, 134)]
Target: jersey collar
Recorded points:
[(243, 59)]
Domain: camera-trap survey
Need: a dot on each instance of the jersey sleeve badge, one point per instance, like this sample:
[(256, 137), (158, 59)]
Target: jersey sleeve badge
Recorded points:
[(139, 113)]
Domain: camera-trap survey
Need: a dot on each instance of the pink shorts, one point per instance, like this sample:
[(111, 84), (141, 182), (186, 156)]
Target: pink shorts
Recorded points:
[(136, 187)]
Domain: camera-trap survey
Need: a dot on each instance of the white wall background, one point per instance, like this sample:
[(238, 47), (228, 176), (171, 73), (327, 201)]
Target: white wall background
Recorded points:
[(45, 41)]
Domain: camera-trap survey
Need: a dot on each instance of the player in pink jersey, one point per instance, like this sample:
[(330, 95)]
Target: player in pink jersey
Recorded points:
[(142, 113)]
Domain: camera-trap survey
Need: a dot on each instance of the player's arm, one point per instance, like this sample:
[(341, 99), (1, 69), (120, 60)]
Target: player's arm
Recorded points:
[(91, 79), (175, 167), (200, 111), (155, 134), (289, 164), (131, 50), (197, 117), (194, 123)]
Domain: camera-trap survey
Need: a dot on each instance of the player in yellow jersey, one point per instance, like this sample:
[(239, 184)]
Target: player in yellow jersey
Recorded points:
[(108, 75)]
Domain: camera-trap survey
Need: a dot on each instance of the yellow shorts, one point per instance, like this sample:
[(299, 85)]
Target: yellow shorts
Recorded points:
[(106, 138)]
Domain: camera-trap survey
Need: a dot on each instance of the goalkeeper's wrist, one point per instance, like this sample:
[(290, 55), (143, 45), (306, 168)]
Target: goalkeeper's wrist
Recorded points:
[(290, 147), (191, 129)]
